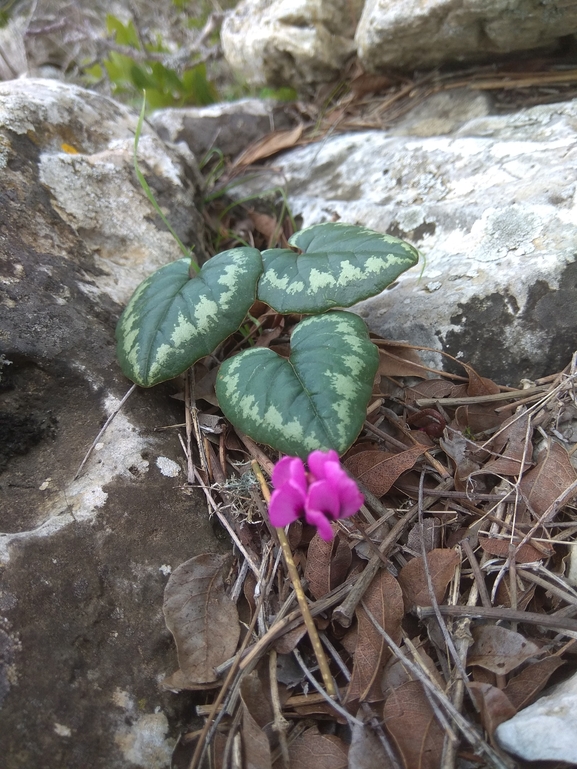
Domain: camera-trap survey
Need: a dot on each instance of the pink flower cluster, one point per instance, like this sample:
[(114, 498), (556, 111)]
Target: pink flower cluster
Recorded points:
[(320, 496)]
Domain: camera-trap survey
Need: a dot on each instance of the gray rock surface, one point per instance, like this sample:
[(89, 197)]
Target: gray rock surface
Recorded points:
[(545, 731), (410, 34), (229, 127), (492, 206), (307, 42), (284, 42), (84, 562)]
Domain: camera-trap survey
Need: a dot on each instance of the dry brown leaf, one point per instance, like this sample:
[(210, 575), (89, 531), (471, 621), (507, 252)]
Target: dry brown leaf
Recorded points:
[(550, 477), (200, 616), (429, 421), (255, 744), (480, 385), (366, 750), (458, 448), (493, 704), (248, 589), (313, 749), (288, 641), (295, 534), (266, 224), (395, 674), (178, 682), (359, 446), (269, 145), (410, 720), (499, 650), (256, 699), (523, 688), (400, 361), (483, 676), (429, 534), (327, 564), (366, 83), (413, 577), (379, 470), (513, 446), (218, 751), (267, 337), (431, 388), (350, 639), (477, 418), (522, 598), (526, 553), (204, 387), (384, 600), (322, 709)]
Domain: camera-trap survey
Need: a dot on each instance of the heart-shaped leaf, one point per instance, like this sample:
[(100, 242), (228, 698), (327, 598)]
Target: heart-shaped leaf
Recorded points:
[(316, 399), (173, 319), (340, 264)]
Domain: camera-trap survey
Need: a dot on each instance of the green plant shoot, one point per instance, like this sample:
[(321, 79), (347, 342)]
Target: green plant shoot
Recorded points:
[(148, 192)]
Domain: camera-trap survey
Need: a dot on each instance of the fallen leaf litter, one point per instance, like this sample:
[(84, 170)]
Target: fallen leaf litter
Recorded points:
[(457, 562)]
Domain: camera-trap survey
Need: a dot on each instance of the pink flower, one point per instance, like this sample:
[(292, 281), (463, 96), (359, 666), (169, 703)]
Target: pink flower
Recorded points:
[(320, 496)]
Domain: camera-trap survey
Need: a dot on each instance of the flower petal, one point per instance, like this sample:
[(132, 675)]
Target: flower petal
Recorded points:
[(324, 528), (324, 498), (286, 505), (317, 461), (350, 498), (290, 469)]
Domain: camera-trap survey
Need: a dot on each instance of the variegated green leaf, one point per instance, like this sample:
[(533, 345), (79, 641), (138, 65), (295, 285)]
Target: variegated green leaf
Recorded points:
[(316, 399), (340, 264), (173, 319)]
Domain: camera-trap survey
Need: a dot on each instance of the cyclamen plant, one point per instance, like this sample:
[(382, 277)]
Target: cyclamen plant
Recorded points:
[(315, 399)]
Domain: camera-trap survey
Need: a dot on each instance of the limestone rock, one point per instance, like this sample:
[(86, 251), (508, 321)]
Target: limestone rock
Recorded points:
[(84, 561), (410, 34), (290, 43), (229, 127), (493, 208), (545, 731), (83, 144), (282, 42)]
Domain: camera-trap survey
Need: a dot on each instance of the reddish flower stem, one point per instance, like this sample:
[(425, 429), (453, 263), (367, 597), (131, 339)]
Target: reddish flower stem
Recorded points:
[(301, 598)]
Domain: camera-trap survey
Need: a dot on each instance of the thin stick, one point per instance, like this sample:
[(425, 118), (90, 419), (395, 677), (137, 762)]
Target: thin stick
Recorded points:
[(324, 695), (280, 724), (335, 655), (496, 613), (495, 397), (434, 603), (257, 453), (303, 605), (477, 573), (103, 430), (192, 425), (226, 524), (457, 685), (563, 594)]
